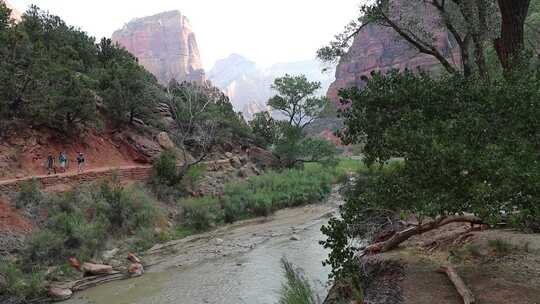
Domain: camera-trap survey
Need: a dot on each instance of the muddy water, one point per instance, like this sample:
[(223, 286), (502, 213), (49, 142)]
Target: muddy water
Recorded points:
[(229, 276)]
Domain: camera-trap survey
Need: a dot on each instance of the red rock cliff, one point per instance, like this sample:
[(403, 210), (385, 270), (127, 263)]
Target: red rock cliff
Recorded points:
[(165, 45), (378, 48), (15, 14)]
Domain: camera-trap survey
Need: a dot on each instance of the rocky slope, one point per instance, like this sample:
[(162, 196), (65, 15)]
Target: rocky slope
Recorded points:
[(378, 48), (165, 45), (248, 85)]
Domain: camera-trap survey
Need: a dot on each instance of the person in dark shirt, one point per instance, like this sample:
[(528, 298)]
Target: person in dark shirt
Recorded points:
[(80, 161), (50, 164)]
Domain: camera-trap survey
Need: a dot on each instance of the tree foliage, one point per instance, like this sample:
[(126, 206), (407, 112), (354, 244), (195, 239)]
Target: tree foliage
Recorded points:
[(52, 74), (296, 100), (467, 147)]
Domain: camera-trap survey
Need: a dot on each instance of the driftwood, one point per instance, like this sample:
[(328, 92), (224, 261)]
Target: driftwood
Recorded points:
[(404, 235), (465, 293)]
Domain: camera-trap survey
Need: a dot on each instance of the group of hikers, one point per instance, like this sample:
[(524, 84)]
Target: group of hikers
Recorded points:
[(63, 162)]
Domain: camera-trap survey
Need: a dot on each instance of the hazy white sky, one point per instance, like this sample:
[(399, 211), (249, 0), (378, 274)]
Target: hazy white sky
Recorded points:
[(266, 31)]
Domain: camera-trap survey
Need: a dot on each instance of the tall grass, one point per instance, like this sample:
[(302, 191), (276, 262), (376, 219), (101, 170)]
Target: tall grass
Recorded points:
[(296, 289)]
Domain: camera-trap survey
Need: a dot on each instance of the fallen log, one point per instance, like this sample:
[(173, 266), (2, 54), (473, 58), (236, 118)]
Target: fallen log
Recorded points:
[(465, 293), (404, 235)]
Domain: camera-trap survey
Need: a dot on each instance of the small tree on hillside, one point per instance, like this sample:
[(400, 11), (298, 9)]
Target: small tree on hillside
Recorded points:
[(195, 125)]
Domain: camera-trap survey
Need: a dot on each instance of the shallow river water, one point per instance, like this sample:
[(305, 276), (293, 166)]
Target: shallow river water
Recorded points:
[(251, 276)]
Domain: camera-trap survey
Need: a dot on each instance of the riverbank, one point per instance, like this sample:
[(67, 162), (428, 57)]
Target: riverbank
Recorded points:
[(237, 263), (498, 266)]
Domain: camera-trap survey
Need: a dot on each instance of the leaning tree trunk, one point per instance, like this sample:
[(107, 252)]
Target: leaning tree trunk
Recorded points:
[(511, 43)]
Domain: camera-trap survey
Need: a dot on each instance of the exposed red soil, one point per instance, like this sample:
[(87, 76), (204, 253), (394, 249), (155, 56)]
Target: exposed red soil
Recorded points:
[(26, 153), (12, 221)]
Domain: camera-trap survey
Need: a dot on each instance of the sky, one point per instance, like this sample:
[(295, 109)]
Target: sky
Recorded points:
[(265, 31)]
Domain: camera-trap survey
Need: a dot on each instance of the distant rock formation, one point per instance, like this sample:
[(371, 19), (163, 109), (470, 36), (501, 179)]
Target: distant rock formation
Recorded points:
[(15, 14), (248, 86), (165, 45), (377, 48)]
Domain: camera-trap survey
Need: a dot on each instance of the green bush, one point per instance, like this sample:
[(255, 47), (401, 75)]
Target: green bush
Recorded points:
[(80, 220), (24, 286), (30, 195), (296, 289)]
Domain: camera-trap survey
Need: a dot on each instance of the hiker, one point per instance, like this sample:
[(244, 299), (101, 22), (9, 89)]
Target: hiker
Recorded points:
[(62, 159), (50, 164), (80, 161)]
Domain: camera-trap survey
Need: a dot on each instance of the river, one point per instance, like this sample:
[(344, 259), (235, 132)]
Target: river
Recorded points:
[(232, 265)]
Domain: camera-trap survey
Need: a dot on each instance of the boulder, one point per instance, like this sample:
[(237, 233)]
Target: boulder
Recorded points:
[(262, 158), (95, 269), (165, 141), (75, 263), (136, 269), (60, 294), (236, 163), (133, 258)]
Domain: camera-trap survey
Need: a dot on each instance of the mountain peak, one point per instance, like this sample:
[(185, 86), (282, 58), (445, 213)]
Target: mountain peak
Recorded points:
[(165, 45)]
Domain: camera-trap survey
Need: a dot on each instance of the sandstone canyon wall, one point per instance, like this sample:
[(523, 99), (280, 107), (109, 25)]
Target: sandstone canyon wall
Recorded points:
[(165, 45), (15, 14), (378, 48)]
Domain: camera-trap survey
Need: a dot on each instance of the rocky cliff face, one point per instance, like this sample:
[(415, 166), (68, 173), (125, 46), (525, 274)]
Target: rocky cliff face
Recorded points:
[(165, 45), (248, 85), (15, 14), (378, 48)]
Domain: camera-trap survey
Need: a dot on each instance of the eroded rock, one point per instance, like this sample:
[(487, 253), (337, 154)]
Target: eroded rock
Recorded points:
[(60, 294), (95, 269)]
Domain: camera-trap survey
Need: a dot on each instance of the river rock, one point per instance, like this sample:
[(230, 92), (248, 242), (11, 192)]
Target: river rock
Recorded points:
[(109, 254), (136, 269), (133, 258), (90, 268), (75, 263), (60, 294)]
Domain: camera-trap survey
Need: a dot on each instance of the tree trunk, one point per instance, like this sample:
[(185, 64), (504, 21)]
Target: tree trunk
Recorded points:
[(404, 235), (511, 43), (465, 293)]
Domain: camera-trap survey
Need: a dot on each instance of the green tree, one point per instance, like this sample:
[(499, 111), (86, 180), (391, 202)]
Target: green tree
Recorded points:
[(296, 100), (468, 150)]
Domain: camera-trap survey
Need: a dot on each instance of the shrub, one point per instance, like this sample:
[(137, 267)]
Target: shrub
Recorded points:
[(30, 195), (199, 214), (22, 285), (80, 220), (296, 289)]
